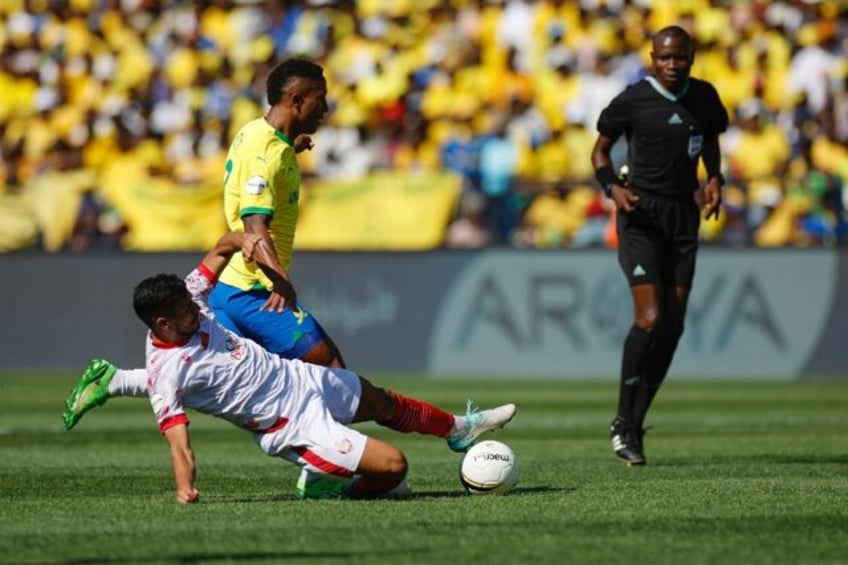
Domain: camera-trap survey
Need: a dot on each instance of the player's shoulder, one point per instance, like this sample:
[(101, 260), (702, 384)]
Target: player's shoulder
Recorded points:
[(636, 91), (701, 87), (248, 131), (703, 93)]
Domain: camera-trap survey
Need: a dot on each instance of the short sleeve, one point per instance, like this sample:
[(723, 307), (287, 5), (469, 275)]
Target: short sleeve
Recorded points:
[(718, 120), (260, 189), (165, 401), (614, 119)]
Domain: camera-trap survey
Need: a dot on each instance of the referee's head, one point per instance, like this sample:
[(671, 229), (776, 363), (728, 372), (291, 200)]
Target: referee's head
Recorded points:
[(672, 55)]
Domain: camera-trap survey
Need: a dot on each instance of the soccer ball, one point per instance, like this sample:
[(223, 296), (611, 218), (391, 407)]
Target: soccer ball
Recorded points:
[(489, 467)]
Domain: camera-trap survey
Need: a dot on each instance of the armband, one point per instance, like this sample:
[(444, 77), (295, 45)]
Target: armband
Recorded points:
[(606, 177)]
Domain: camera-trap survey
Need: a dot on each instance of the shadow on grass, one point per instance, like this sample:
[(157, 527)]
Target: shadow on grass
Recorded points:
[(416, 495), (518, 491), (770, 459), (230, 557)]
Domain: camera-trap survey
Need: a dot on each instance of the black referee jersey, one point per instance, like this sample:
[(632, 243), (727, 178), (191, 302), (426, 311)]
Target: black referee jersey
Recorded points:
[(665, 133)]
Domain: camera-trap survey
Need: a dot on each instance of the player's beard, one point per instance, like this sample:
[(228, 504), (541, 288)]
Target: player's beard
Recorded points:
[(191, 328)]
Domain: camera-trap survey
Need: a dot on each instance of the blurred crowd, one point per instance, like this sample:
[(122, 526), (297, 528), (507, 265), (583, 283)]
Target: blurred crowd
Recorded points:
[(505, 93)]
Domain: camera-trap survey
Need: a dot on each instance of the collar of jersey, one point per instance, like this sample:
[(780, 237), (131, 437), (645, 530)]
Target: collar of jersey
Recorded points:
[(280, 135), (169, 345), (666, 93), (283, 137)]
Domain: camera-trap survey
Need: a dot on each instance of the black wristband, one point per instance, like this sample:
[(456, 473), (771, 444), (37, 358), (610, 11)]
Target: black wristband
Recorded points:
[(606, 177)]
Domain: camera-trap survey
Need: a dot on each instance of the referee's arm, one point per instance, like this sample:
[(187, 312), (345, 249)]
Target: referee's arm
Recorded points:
[(605, 174), (711, 154)]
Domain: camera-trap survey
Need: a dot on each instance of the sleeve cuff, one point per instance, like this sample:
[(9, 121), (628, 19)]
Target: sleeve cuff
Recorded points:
[(209, 275)]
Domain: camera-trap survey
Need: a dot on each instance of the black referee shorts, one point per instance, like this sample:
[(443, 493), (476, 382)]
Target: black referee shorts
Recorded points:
[(658, 241)]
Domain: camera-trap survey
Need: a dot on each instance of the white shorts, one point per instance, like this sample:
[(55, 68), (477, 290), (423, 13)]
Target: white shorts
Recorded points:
[(316, 436)]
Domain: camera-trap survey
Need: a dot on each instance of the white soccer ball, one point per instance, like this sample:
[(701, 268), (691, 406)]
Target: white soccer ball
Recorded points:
[(489, 467)]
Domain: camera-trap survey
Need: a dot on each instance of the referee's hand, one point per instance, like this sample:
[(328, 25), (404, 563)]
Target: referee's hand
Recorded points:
[(624, 199), (712, 198)]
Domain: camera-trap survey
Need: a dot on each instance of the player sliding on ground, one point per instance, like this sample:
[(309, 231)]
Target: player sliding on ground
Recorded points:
[(261, 196), (295, 410)]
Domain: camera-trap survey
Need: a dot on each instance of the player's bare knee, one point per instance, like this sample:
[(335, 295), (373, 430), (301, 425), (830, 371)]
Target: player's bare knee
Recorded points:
[(397, 466), (393, 462)]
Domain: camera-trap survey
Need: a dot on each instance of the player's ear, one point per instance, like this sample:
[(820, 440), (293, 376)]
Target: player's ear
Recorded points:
[(160, 323)]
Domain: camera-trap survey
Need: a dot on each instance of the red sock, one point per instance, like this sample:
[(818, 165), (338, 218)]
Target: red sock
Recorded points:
[(412, 415)]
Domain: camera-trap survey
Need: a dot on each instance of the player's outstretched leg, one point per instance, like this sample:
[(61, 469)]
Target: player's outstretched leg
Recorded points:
[(627, 442), (475, 423), (405, 414), (90, 391)]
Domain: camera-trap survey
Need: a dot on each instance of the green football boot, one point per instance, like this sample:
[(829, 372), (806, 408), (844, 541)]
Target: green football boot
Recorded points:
[(91, 390), (320, 486)]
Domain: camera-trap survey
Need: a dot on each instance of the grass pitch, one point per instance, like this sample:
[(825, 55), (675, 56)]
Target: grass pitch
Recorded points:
[(737, 473)]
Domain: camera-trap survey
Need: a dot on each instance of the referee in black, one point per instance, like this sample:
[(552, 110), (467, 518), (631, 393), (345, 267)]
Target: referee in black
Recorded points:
[(670, 120)]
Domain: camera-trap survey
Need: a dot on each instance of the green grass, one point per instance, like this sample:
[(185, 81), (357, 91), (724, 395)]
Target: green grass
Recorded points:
[(738, 473)]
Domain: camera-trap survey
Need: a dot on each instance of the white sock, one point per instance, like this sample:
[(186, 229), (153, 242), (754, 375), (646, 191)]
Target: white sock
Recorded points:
[(129, 382), (459, 425)]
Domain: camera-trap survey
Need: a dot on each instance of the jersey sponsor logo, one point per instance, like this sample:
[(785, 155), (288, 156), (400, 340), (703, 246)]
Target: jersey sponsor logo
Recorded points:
[(256, 184), (639, 271), (675, 119)]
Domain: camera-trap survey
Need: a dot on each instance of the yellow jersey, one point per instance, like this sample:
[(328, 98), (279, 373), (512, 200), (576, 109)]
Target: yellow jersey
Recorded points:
[(261, 177)]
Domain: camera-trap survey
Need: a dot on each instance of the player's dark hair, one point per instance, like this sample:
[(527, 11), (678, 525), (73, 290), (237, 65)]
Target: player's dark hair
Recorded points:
[(157, 296), (288, 70)]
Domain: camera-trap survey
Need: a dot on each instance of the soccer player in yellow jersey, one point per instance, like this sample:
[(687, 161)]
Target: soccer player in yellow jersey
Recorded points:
[(261, 193)]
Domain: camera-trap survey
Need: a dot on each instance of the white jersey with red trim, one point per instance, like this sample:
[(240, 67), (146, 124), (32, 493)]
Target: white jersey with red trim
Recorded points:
[(219, 373)]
